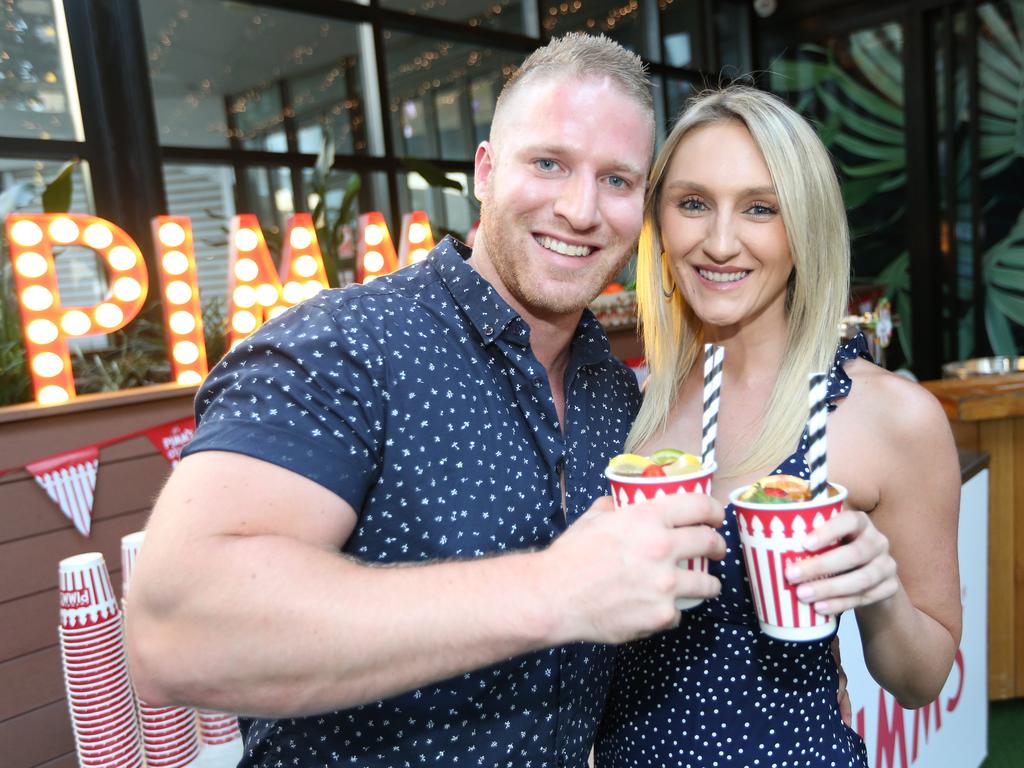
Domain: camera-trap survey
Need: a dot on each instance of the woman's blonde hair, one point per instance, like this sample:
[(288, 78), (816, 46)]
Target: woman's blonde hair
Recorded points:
[(812, 210)]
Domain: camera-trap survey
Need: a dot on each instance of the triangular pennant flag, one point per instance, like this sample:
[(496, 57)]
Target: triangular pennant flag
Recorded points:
[(70, 480), (171, 437)]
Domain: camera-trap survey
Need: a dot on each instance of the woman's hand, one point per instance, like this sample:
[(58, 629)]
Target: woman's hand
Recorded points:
[(859, 571)]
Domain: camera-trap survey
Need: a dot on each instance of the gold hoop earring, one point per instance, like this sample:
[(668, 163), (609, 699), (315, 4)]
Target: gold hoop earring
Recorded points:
[(670, 293)]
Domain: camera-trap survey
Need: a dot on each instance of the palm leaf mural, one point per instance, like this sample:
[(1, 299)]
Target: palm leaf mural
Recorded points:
[(863, 125)]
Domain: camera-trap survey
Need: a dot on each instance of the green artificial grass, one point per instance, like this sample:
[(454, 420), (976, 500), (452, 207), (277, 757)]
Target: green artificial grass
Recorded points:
[(1005, 734)]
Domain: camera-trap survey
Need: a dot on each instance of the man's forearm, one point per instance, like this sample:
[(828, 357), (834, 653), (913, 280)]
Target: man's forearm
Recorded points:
[(270, 626)]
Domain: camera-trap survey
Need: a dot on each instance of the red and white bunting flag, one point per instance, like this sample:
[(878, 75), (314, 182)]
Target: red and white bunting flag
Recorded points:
[(171, 437), (70, 480)]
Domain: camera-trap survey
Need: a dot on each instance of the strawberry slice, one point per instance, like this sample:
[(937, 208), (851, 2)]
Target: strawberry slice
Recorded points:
[(778, 493), (653, 471)]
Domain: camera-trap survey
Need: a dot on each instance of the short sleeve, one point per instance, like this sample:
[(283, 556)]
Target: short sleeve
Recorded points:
[(305, 392)]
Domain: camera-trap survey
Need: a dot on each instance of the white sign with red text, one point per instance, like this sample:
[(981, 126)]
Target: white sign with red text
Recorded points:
[(953, 730)]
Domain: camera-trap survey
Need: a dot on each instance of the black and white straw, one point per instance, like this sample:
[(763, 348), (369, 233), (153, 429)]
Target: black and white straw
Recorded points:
[(714, 359), (816, 444)]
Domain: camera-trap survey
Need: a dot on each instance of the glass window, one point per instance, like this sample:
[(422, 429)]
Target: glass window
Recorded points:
[(677, 92), (442, 94), (682, 33), (229, 73), (621, 20), (504, 15), (38, 97), (450, 211)]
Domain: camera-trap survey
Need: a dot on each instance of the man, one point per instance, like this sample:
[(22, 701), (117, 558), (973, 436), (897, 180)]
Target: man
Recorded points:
[(454, 418)]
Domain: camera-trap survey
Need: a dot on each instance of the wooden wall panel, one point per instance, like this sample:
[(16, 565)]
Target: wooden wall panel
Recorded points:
[(35, 728), (38, 737)]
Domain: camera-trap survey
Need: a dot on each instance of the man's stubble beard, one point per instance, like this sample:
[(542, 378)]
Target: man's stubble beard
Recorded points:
[(508, 261)]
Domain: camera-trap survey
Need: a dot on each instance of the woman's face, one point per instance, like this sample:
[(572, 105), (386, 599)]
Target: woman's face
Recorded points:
[(722, 230)]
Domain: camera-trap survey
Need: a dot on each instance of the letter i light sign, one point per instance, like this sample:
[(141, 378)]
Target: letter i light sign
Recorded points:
[(257, 291)]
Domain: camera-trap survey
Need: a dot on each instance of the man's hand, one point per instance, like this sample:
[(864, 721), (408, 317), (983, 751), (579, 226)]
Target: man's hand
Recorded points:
[(617, 570)]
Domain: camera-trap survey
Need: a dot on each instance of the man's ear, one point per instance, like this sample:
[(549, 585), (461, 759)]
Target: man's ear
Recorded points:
[(483, 165)]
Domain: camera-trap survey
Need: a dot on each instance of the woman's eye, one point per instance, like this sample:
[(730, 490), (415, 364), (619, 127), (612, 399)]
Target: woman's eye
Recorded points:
[(759, 209), (691, 204)]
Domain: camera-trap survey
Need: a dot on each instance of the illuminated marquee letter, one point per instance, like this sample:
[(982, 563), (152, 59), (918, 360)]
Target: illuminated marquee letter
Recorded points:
[(416, 240), (375, 253), (255, 288), (179, 287), (46, 323)]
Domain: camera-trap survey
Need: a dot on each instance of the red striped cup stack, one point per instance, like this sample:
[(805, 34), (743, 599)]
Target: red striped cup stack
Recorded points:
[(218, 728), (170, 738), (100, 697), (629, 489), (772, 537)]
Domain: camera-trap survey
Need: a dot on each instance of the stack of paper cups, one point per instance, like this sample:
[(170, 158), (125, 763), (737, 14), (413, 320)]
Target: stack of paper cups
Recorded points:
[(169, 734), (100, 696), (218, 728)]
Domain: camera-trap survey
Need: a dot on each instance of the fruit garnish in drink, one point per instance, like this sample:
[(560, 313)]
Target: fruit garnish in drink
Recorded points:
[(780, 489), (665, 462)]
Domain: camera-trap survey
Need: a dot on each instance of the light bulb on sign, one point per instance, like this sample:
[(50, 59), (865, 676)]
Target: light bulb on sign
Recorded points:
[(51, 395), (75, 322), (122, 258), (108, 315), (246, 239), (300, 238), (246, 270), (182, 322), (30, 264), (63, 230), (178, 292), (171, 234), (98, 236), (189, 378), (37, 298), (244, 296), (244, 322), (42, 331), (305, 266), (293, 292), (374, 234), (373, 261), (127, 289), (186, 352), (47, 364), (175, 262), (417, 233), (26, 233)]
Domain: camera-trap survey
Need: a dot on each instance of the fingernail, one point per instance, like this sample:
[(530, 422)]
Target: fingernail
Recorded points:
[(821, 607), (805, 592), (793, 573)]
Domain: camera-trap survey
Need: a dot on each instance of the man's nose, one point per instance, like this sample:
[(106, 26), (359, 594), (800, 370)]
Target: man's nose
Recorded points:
[(721, 242), (577, 203)]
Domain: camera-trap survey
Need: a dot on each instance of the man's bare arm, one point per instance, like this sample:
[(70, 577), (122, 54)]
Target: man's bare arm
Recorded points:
[(241, 601)]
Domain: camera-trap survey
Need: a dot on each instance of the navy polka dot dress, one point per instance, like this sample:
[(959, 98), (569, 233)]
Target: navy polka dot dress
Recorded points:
[(716, 691)]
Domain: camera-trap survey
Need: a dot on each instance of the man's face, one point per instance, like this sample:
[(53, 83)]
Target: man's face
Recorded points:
[(561, 187)]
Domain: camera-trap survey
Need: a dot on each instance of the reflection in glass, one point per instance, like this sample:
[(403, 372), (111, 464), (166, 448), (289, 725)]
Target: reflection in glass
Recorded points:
[(621, 20), (232, 74), (504, 15), (38, 97), (442, 94), (683, 33)]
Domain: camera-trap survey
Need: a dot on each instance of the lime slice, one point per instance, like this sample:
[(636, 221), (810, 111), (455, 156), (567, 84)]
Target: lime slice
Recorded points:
[(685, 464), (664, 456), (629, 464)]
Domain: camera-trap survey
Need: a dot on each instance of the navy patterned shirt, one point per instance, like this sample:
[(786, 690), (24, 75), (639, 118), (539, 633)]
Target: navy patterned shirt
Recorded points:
[(417, 399)]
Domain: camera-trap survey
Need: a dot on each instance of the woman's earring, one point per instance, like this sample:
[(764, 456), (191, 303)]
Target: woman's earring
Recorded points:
[(670, 293)]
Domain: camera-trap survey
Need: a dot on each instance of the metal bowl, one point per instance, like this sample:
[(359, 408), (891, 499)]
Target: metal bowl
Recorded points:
[(982, 366)]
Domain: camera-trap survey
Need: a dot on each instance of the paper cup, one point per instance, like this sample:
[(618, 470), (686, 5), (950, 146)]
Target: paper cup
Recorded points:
[(86, 594), (130, 546), (772, 537), (217, 727), (627, 490)]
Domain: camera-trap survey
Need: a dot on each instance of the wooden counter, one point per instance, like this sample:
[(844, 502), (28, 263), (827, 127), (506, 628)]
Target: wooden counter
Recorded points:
[(987, 414)]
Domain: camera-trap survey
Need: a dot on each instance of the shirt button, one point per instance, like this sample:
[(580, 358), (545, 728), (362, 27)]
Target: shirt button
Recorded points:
[(537, 383), (488, 330)]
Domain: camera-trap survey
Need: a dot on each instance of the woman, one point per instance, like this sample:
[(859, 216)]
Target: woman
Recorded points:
[(745, 244)]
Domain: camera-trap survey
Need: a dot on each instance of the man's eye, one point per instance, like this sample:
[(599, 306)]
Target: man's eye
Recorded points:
[(547, 165), (618, 182)]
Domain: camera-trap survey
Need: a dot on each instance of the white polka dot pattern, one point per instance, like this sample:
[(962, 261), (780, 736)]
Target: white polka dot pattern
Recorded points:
[(716, 691), (417, 400)]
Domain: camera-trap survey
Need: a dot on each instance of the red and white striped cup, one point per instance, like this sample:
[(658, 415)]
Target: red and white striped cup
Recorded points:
[(628, 489), (86, 594), (772, 537)]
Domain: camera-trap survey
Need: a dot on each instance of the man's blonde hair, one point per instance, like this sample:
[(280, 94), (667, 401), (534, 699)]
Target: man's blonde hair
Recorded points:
[(814, 216), (580, 55)]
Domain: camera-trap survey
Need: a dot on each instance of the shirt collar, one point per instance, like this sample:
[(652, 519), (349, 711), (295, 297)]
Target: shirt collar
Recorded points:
[(491, 315)]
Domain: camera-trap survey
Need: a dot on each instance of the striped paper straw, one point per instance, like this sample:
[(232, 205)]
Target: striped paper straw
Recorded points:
[(714, 359), (816, 444)]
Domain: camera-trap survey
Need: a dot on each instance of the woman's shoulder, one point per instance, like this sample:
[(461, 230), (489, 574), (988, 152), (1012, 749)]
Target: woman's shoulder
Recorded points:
[(895, 402)]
